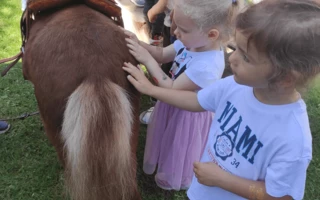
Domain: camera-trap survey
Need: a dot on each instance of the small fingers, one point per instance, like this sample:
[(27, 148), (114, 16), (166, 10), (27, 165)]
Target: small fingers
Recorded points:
[(127, 69), (128, 64), (126, 32), (129, 34), (131, 47), (140, 68), (122, 28), (131, 69), (131, 41), (196, 164), (132, 80), (133, 53)]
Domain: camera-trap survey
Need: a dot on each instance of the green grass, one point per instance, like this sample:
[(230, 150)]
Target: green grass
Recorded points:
[(29, 169)]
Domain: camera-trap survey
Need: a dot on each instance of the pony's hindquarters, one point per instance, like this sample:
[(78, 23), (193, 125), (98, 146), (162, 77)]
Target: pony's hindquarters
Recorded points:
[(96, 130), (76, 53)]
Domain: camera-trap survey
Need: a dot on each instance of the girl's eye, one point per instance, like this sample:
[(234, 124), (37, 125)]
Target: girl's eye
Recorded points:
[(231, 49), (181, 30)]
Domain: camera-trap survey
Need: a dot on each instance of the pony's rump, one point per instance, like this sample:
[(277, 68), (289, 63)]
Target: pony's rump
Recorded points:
[(74, 58)]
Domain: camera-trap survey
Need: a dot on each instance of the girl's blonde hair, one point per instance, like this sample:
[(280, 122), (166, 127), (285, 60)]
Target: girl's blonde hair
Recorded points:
[(208, 14)]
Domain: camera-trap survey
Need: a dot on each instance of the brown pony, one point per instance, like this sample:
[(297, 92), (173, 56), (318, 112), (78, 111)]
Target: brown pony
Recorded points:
[(74, 57)]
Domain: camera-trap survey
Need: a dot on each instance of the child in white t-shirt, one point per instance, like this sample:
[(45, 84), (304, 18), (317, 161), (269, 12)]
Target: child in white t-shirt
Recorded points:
[(260, 144), (176, 137)]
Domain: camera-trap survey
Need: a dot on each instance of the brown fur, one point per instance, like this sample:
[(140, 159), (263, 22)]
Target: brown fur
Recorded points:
[(79, 51)]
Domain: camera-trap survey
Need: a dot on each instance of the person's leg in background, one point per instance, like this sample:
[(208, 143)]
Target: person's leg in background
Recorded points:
[(155, 28), (147, 6)]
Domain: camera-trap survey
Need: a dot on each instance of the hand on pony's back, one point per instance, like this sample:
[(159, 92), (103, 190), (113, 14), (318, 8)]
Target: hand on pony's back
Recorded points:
[(138, 79)]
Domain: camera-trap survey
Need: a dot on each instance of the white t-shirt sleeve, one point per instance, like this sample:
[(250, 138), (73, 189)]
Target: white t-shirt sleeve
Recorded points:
[(210, 96), (202, 73), (287, 178), (177, 45)]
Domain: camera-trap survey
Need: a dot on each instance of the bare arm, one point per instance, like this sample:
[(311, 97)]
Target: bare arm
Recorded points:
[(255, 190), (144, 56), (186, 100), (162, 80), (160, 54), (158, 8), (210, 174)]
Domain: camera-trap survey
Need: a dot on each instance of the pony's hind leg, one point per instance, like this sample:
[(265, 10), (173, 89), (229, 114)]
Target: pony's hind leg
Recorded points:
[(58, 147), (55, 140)]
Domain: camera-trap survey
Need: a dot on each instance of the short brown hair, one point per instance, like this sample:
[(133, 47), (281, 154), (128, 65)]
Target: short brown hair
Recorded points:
[(288, 31)]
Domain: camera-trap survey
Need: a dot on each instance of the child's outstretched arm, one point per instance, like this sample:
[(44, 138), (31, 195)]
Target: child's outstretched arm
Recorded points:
[(182, 99), (158, 8), (161, 55), (210, 174), (161, 79)]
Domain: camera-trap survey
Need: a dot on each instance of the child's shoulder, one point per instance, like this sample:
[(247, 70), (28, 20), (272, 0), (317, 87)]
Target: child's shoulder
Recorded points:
[(226, 88), (211, 59), (301, 129), (231, 85), (177, 44), (292, 134)]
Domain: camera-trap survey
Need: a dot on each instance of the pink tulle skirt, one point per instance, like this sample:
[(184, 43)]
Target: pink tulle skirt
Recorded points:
[(175, 140)]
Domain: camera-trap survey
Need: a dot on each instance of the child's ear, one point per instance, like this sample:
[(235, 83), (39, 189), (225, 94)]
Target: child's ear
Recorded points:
[(291, 79), (213, 34)]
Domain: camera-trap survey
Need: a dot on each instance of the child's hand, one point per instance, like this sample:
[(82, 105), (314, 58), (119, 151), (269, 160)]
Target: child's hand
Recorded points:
[(137, 78), (141, 54), (152, 16), (130, 35), (208, 173)]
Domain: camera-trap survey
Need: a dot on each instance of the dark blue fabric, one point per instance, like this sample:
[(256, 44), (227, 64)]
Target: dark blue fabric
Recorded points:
[(3, 125)]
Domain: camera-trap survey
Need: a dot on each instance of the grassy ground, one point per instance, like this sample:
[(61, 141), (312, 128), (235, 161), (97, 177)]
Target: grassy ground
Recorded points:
[(29, 169)]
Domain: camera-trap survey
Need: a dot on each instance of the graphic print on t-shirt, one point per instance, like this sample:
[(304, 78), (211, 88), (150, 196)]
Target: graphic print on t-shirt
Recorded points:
[(181, 58), (230, 142), (223, 146)]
